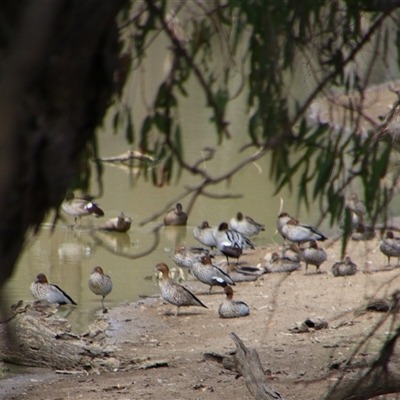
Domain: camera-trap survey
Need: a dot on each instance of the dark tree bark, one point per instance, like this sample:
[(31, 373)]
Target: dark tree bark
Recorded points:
[(57, 63)]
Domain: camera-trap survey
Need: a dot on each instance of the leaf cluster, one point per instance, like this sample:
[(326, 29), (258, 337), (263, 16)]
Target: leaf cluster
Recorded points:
[(264, 41)]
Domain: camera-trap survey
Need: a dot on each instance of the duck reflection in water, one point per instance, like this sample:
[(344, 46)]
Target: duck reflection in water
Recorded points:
[(117, 241), (175, 234)]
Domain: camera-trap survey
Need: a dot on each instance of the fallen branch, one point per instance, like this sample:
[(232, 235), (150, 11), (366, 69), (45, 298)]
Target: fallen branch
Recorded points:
[(33, 336), (249, 366)]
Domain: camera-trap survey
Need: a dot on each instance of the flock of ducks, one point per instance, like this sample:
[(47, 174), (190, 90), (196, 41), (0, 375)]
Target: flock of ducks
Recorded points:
[(79, 207), (229, 240), (99, 283)]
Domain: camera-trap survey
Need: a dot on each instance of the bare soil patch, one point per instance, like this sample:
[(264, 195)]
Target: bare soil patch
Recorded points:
[(169, 350)]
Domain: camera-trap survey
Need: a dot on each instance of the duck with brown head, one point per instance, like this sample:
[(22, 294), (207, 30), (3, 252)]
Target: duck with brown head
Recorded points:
[(313, 255), (205, 234), (300, 233), (390, 246), (174, 293), (187, 256), (281, 264), (100, 284), (231, 243), (283, 219), (176, 217), (122, 223), (41, 289), (245, 225), (210, 274), (79, 207), (344, 268), (232, 308)]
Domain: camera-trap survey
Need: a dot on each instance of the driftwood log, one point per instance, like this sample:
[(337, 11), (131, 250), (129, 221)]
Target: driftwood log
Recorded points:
[(382, 376), (247, 364), (34, 336)]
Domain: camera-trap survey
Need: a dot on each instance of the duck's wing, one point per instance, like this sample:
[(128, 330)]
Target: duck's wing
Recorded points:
[(319, 235), (57, 288), (252, 222), (189, 293), (223, 274)]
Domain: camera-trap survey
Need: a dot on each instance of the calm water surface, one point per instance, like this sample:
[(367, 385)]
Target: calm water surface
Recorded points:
[(67, 257)]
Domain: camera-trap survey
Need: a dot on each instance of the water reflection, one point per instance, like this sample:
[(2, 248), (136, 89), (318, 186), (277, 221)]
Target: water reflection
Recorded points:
[(67, 257), (115, 241), (175, 235)]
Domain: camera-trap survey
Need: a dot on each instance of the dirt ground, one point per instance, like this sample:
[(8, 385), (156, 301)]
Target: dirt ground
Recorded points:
[(299, 365)]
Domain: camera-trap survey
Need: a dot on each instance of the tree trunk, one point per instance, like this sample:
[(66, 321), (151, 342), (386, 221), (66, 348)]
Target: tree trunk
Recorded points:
[(57, 64)]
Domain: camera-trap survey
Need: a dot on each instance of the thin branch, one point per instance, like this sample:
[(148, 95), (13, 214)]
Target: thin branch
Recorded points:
[(181, 50), (144, 253)]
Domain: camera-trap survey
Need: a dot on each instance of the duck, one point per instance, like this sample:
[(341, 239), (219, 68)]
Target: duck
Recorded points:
[(122, 223), (363, 233), (244, 273), (356, 206), (390, 246), (357, 211), (292, 253), (100, 284), (281, 264), (300, 233), (344, 268), (313, 255), (41, 289), (174, 293), (231, 243), (245, 225), (210, 274), (205, 235), (176, 217), (79, 207), (186, 256), (355, 221), (283, 219), (232, 308)]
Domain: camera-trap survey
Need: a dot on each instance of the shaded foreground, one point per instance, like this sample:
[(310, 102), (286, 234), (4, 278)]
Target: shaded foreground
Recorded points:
[(167, 354)]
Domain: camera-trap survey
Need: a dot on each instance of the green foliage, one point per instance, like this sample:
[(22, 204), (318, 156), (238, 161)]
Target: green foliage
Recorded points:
[(267, 40)]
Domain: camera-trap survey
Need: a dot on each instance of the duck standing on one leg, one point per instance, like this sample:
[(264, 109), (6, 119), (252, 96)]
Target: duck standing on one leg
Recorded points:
[(100, 284), (174, 293), (390, 246), (80, 207)]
